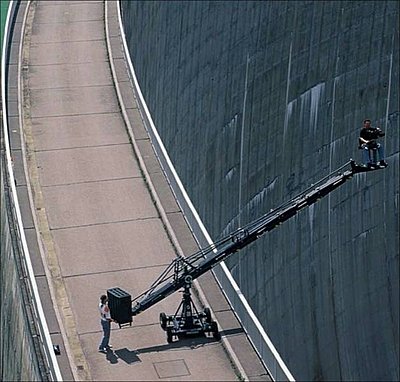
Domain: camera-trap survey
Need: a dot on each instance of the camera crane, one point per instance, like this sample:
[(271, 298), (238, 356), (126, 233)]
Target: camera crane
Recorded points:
[(183, 271)]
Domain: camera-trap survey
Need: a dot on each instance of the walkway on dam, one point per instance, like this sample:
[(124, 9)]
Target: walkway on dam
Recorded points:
[(93, 175)]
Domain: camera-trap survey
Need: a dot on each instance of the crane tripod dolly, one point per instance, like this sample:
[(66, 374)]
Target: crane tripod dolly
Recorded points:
[(182, 271), (187, 320), (190, 321)]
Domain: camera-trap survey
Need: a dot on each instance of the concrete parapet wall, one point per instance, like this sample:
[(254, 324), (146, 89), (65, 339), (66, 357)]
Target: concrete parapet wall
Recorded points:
[(19, 357), (18, 353), (254, 102), (26, 351)]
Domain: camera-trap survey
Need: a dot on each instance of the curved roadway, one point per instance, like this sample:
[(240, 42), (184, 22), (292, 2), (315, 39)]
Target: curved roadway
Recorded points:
[(101, 224)]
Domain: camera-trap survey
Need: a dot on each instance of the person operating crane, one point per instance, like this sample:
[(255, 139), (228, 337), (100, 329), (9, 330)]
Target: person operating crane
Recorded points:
[(370, 147)]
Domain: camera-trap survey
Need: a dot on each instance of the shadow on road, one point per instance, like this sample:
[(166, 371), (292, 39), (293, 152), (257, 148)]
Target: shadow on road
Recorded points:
[(126, 355), (191, 342), (132, 356)]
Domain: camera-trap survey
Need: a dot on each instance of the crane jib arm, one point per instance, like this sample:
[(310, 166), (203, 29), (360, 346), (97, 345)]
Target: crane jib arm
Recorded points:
[(184, 270)]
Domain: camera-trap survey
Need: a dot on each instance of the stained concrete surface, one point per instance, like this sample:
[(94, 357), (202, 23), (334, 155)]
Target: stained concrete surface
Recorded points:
[(254, 102)]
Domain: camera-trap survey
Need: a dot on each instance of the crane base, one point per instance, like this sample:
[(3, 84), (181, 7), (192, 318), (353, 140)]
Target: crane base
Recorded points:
[(190, 322), (183, 327)]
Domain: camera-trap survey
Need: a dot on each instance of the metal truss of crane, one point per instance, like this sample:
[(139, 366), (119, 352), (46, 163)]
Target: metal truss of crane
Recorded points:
[(181, 272)]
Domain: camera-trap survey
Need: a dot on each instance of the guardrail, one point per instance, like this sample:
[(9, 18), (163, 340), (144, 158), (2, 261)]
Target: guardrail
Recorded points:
[(36, 340), (260, 340)]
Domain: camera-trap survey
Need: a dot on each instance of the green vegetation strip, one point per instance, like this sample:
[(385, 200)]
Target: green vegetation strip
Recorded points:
[(3, 14)]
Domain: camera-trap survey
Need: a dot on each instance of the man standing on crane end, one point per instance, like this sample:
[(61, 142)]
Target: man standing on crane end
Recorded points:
[(106, 320), (370, 147)]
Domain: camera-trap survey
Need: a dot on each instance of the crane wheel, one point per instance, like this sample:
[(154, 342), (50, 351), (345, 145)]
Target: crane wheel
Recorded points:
[(207, 313), (215, 332), (163, 320), (169, 336)]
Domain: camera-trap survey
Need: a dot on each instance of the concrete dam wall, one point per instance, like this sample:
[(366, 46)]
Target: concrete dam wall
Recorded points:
[(19, 360), (256, 101)]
